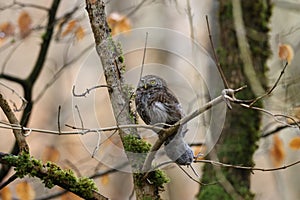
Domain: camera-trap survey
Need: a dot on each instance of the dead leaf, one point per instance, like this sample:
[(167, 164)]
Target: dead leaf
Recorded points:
[(295, 143), (198, 151), (286, 52), (104, 179), (70, 28), (79, 33), (24, 23), (25, 191), (6, 29), (50, 154), (277, 151), (5, 193), (118, 23)]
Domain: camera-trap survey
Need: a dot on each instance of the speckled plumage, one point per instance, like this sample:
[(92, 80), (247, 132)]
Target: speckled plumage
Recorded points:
[(156, 103)]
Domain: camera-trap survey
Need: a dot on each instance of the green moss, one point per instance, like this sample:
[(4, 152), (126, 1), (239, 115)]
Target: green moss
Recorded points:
[(156, 178), (135, 145), (238, 140), (136, 150), (215, 192), (121, 59), (50, 174)]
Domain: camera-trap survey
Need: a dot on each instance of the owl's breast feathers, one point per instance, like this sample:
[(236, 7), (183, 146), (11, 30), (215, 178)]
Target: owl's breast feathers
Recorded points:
[(158, 105)]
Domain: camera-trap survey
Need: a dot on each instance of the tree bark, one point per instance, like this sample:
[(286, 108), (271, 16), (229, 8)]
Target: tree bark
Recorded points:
[(239, 138), (111, 57)]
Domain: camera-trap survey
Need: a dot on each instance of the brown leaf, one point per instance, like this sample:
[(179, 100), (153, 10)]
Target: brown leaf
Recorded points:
[(79, 33), (24, 23), (50, 154), (277, 151), (24, 191), (70, 28), (285, 52), (295, 143), (198, 151), (104, 179), (6, 29), (118, 23), (5, 193)]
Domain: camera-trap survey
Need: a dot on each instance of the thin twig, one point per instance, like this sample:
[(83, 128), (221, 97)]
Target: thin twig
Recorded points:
[(80, 118), (192, 178), (190, 17), (215, 55), (247, 168), (144, 56), (78, 130), (88, 90), (97, 145), (136, 8), (24, 101), (272, 88), (58, 119), (58, 73), (279, 128)]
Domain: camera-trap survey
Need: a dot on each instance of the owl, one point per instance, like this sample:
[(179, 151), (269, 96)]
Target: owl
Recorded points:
[(156, 103)]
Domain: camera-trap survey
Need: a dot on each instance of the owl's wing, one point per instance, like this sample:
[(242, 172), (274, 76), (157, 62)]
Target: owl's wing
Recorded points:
[(166, 107)]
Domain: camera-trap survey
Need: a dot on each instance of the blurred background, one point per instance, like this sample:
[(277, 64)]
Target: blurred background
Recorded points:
[(178, 50)]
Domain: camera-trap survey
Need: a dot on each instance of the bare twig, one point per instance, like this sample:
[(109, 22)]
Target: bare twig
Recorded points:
[(136, 8), (248, 168), (77, 129), (88, 90), (80, 118), (190, 17), (192, 178), (97, 145), (215, 55), (60, 71), (16, 3), (24, 101), (58, 119), (279, 128), (10, 54), (275, 116), (272, 88), (144, 56)]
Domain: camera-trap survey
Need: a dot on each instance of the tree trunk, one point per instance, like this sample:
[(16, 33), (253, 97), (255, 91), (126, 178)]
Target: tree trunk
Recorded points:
[(239, 138)]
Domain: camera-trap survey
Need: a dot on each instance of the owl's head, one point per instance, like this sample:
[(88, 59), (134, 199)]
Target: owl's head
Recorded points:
[(152, 81)]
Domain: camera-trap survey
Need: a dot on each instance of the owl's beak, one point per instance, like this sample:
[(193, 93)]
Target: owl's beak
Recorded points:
[(145, 86)]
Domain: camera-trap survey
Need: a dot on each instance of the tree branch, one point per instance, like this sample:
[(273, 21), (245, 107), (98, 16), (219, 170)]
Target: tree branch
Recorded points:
[(244, 48), (51, 175), (20, 138), (112, 62)]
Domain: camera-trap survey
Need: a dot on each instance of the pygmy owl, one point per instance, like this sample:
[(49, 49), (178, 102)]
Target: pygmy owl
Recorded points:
[(155, 103)]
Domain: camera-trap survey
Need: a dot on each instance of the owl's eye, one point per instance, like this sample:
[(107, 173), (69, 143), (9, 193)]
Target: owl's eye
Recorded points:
[(153, 82)]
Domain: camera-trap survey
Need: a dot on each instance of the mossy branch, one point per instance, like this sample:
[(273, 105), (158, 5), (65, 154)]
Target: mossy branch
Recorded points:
[(51, 175), (112, 61)]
